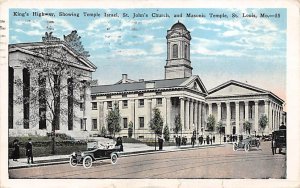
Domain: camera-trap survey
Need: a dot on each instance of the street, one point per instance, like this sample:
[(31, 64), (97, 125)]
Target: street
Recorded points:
[(217, 162)]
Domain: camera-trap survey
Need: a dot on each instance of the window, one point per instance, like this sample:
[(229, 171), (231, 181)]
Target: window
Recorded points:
[(93, 97), (109, 104), (185, 51), (108, 96), (141, 137), (81, 124), (94, 124), (175, 51), (159, 101), (141, 102), (141, 122), (141, 94), (125, 124), (81, 106), (124, 95), (94, 105), (125, 104), (251, 112), (158, 93), (26, 95), (11, 98)]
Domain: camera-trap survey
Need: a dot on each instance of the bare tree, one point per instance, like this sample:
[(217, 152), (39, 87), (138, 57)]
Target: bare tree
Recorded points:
[(54, 83)]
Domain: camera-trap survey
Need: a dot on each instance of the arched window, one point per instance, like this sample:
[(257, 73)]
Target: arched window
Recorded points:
[(185, 51), (175, 51)]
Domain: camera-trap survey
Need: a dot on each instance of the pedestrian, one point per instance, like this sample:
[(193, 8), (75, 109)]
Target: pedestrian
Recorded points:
[(201, 139), (16, 152), (207, 139), (29, 151), (214, 138), (179, 141)]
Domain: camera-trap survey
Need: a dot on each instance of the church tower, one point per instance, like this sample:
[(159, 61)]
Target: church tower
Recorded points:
[(178, 52)]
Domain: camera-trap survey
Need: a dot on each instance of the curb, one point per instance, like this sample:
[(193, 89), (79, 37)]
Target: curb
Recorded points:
[(128, 154)]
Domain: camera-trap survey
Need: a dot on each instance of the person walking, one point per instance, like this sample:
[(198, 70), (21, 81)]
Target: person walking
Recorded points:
[(29, 151), (16, 152)]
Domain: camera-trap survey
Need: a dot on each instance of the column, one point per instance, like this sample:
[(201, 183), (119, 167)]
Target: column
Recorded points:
[(149, 113), (209, 108), (196, 115), (270, 116), (237, 117), (219, 112), (246, 110), (191, 114), (187, 114), (228, 127), (132, 115), (100, 115), (182, 115), (18, 96), (168, 50), (267, 114), (88, 106), (168, 111), (200, 117), (256, 116)]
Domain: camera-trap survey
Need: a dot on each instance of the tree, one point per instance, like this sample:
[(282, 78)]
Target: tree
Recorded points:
[(52, 86), (130, 129), (166, 133), (103, 131), (178, 125), (73, 39), (247, 126), (211, 122), (156, 123), (263, 120), (220, 129), (113, 119)]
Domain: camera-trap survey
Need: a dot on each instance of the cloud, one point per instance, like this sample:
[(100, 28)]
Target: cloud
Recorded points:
[(130, 52), (96, 23), (158, 48), (207, 52), (30, 33), (30, 23)]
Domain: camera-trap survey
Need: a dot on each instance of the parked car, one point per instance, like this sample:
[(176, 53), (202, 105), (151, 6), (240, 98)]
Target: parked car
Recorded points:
[(246, 144), (96, 151), (278, 140)]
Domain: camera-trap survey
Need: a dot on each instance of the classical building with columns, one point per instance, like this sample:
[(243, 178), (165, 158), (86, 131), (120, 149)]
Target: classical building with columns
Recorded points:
[(182, 93), (30, 118)]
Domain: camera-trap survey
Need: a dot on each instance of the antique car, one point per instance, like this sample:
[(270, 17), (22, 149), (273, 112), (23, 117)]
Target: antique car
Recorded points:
[(246, 144), (96, 151), (278, 140)]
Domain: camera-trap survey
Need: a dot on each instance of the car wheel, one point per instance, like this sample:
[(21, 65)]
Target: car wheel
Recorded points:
[(235, 146), (247, 147), (114, 158), (87, 162), (73, 162)]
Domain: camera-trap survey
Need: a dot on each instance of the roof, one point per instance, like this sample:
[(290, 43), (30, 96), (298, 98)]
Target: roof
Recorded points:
[(244, 85), (178, 25), (158, 84), (29, 47)]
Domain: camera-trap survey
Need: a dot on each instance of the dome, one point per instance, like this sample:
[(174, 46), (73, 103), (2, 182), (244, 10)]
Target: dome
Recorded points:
[(178, 25)]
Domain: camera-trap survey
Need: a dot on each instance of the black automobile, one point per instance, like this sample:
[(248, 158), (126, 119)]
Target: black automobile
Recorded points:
[(278, 140), (96, 151), (246, 144)]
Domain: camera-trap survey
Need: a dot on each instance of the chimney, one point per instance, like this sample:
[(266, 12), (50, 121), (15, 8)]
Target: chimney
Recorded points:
[(124, 78), (141, 80)]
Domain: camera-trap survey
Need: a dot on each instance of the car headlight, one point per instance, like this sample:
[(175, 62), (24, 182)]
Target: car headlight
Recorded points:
[(82, 154), (74, 153)]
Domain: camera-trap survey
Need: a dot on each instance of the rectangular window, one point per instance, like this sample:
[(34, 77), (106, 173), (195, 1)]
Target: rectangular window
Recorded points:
[(124, 95), (81, 124), (141, 122), (42, 102), (158, 93), (57, 89), (141, 102), (11, 98), (125, 124), (94, 105), (94, 124), (108, 96), (159, 101), (141, 137), (70, 103), (141, 94), (93, 97), (125, 104), (81, 106), (26, 97), (109, 104)]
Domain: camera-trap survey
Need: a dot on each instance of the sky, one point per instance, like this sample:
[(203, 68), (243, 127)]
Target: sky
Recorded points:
[(225, 46)]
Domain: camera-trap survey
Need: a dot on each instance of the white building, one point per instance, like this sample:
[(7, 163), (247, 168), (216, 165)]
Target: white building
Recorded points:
[(182, 93), (31, 118)]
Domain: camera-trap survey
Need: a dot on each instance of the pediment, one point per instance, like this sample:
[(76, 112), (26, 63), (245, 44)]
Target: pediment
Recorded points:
[(233, 88), (195, 83)]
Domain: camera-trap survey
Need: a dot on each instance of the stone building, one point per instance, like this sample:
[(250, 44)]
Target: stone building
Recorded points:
[(182, 93), (30, 118)]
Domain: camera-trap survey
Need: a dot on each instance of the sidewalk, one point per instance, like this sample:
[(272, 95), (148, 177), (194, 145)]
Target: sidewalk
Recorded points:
[(129, 150)]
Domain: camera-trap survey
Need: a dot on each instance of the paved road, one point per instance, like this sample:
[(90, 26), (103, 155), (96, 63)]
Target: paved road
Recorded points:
[(219, 162)]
